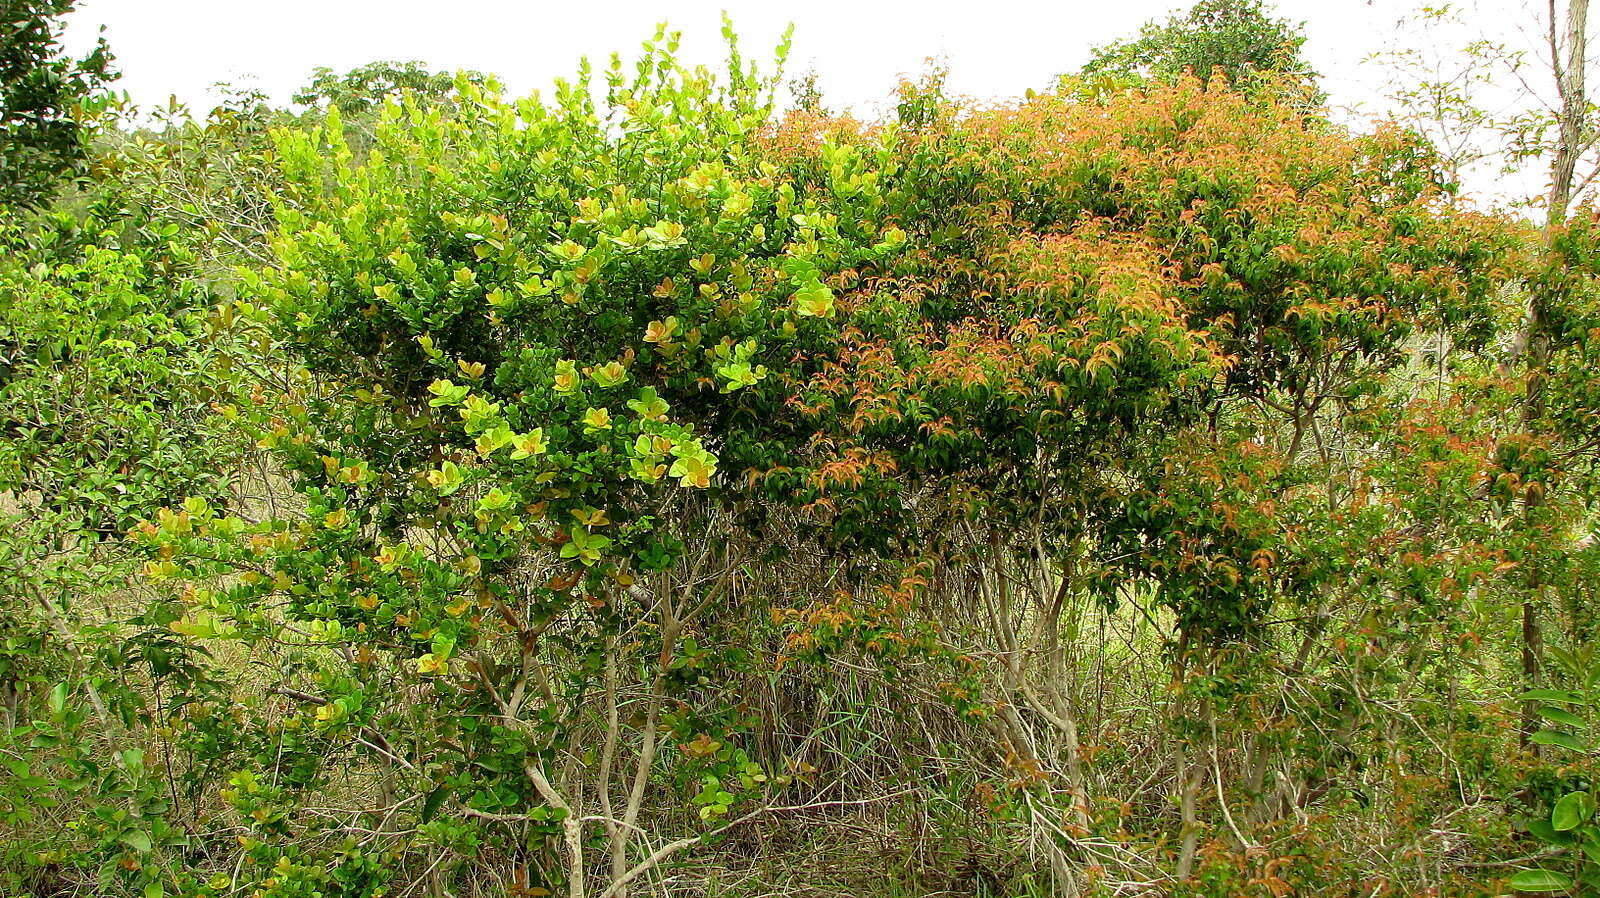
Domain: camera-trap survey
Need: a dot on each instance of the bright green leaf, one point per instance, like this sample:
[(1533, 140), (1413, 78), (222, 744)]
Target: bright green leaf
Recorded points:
[(1540, 881)]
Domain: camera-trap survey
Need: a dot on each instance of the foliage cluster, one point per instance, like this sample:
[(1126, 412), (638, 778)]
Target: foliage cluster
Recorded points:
[(40, 138), (592, 494), (1238, 37)]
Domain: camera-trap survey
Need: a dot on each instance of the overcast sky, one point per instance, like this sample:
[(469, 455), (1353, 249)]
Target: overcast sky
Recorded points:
[(995, 48)]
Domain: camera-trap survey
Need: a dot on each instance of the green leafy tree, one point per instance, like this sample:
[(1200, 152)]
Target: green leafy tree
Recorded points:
[(367, 87), (41, 137), (640, 469), (1237, 36)]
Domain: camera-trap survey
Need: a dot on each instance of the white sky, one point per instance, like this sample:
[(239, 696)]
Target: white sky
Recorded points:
[(995, 48)]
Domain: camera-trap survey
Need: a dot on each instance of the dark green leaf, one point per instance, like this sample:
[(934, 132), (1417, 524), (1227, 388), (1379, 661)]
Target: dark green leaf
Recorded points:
[(430, 805)]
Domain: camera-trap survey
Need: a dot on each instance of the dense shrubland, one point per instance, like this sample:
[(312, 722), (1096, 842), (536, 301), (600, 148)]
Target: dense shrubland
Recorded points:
[(1141, 488)]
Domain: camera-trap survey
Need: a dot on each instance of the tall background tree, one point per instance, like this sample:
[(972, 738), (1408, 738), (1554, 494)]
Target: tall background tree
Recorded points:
[(41, 88), (367, 87), (1239, 37)]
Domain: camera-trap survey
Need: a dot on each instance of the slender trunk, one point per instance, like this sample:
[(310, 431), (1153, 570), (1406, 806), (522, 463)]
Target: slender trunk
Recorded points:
[(623, 835), (1574, 100), (1532, 652), (1190, 778), (571, 828), (1190, 774), (1063, 716), (1535, 341), (608, 754)]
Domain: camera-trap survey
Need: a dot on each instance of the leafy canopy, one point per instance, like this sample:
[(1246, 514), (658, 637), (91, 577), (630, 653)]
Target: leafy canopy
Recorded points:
[(1237, 36), (40, 86), (366, 88)]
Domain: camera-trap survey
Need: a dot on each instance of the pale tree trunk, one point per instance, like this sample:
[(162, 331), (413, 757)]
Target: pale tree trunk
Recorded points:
[(1191, 777), (1535, 339), (1574, 104)]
